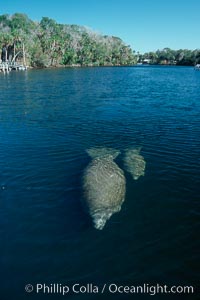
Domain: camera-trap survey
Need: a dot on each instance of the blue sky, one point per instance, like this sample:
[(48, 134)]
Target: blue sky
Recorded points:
[(145, 25)]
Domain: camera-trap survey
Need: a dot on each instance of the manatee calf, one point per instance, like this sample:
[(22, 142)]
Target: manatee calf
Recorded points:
[(134, 162), (104, 185)]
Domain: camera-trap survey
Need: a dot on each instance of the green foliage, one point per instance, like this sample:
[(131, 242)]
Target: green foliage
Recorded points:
[(20, 23), (172, 57), (50, 44), (4, 20)]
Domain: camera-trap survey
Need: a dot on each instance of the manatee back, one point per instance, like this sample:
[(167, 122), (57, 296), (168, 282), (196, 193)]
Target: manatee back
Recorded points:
[(104, 189), (104, 183)]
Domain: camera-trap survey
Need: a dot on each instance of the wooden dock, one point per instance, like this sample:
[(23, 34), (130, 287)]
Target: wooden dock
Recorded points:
[(11, 66)]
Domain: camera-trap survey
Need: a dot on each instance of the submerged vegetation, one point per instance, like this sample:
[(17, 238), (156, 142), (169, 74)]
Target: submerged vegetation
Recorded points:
[(47, 43)]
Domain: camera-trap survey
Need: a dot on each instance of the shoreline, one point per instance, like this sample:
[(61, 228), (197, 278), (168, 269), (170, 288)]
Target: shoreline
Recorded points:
[(78, 66), (107, 66)]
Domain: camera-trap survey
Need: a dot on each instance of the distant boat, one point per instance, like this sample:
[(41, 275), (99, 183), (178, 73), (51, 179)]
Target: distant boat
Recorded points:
[(197, 67)]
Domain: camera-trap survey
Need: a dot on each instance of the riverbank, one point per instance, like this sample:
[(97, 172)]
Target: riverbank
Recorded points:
[(20, 67)]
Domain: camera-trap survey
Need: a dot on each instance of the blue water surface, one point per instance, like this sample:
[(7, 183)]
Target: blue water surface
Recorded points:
[(48, 118)]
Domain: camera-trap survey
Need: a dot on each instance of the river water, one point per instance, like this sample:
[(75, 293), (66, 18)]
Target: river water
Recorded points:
[(48, 118)]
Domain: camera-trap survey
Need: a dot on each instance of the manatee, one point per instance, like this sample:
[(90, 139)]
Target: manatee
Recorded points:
[(104, 185), (134, 162)]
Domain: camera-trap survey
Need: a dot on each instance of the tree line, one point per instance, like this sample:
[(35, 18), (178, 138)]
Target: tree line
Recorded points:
[(47, 43), (183, 57)]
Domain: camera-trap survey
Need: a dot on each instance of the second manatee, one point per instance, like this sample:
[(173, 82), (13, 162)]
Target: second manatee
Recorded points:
[(134, 162)]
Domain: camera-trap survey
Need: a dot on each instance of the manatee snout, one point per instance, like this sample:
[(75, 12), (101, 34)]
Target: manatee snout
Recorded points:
[(100, 219)]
